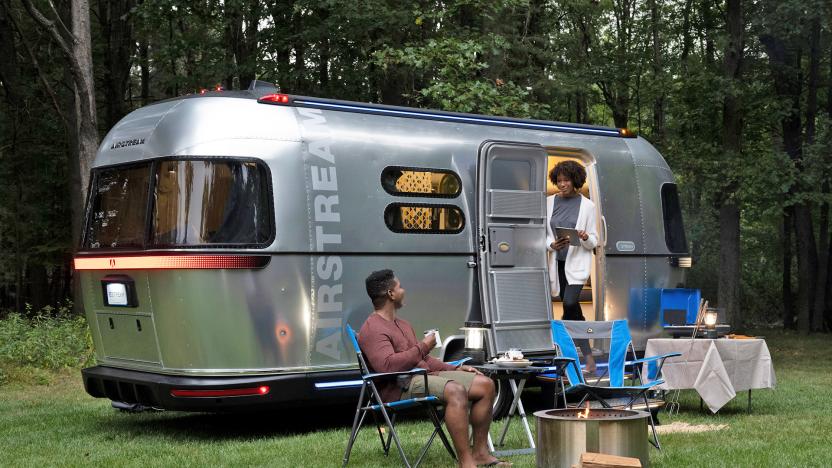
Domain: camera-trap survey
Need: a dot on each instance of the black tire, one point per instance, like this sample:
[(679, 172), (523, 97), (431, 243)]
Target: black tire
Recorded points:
[(502, 402)]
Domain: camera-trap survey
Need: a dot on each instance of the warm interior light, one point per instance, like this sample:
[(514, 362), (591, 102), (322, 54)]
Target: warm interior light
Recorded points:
[(275, 99), (584, 414), (710, 319), (226, 392), (171, 262)]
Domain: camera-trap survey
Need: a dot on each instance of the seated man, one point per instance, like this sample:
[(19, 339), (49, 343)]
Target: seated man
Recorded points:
[(389, 344)]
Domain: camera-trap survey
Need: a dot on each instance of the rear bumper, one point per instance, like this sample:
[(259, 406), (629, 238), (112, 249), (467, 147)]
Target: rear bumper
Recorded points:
[(149, 389)]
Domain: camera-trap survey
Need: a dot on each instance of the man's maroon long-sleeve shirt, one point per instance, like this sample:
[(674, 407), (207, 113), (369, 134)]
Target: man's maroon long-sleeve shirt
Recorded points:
[(391, 346)]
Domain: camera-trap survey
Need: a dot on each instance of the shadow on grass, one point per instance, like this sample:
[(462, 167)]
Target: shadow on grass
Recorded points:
[(229, 426)]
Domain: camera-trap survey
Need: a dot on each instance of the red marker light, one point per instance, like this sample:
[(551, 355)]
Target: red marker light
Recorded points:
[(275, 99), (227, 392), (203, 91), (171, 262), (218, 88)]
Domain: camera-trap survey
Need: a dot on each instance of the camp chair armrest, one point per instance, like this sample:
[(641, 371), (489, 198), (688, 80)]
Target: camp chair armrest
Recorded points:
[(414, 371), (551, 363), (652, 358), (459, 362)]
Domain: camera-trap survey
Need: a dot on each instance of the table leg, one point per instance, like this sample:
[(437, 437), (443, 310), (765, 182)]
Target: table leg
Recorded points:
[(516, 404), (516, 393), (749, 400), (523, 415)]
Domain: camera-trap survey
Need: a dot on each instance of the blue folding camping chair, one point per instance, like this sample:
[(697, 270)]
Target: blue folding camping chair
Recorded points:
[(370, 401), (564, 332)]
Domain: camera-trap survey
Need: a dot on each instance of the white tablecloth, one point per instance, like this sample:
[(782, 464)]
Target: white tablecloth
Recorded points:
[(716, 369)]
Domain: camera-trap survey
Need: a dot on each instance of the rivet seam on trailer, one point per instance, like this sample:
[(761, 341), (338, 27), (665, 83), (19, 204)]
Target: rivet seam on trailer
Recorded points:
[(322, 199), (643, 241), (457, 118)]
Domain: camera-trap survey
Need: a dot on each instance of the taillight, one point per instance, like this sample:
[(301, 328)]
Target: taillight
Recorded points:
[(226, 392), (171, 262), (275, 99)]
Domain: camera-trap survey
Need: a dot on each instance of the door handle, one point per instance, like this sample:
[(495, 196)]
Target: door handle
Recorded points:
[(604, 222)]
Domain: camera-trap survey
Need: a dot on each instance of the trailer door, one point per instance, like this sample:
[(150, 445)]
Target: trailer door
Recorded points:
[(512, 254)]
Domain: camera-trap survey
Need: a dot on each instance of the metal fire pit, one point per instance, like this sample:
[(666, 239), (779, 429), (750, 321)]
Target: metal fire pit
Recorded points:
[(562, 437)]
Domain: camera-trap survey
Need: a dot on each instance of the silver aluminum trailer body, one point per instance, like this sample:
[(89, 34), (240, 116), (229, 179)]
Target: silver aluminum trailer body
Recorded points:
[(281, 324)]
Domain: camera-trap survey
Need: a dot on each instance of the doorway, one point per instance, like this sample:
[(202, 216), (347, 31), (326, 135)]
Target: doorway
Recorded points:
[(591, 298)]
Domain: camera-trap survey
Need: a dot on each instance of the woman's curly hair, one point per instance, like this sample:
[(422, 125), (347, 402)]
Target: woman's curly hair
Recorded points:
[(571, 169)]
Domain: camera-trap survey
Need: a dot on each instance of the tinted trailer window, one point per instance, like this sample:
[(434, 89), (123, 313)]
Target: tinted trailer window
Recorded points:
[(192, 202)]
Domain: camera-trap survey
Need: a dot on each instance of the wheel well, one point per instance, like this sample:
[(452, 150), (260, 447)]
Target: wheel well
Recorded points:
[(453, 348)]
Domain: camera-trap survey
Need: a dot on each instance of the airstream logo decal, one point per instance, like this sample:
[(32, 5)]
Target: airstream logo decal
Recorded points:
[(126, 143), (324, 233)]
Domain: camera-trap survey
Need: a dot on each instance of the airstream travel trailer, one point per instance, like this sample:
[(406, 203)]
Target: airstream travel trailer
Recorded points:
[(229, 235)]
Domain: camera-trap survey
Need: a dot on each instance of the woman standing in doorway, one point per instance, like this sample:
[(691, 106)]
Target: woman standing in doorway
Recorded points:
[(570, 266)]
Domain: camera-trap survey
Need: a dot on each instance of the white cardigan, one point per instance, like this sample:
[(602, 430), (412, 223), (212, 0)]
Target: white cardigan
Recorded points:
[(579, 258)]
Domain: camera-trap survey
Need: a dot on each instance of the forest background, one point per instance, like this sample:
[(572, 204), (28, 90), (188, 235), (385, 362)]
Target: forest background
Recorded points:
[(735, 94)]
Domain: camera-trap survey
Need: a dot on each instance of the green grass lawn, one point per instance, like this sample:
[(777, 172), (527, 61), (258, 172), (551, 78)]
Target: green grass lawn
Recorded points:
[(46, 419)]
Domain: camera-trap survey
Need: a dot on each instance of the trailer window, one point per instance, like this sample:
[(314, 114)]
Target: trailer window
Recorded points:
[(200, 202), (424, 219), (674, 229), (117, 205), (408, 181), (511, 174)]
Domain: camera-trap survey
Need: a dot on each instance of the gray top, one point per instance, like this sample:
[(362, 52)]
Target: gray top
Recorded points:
[(565, 215)]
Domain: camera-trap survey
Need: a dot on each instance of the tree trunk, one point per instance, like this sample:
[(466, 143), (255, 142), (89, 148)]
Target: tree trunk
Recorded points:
[(247, 54), (76, 44), (818, 295), (233, 28), (708, 26), (9, 68), (658, 102), (729, 277), (117, 31), (144, 66), (728, 295), (784, 62), (788, 300)]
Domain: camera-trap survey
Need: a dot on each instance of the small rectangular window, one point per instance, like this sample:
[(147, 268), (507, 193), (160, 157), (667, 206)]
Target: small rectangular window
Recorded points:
[(118, 204), (409, 181), (511, 174), (425, 219), (674, 229), (210, 202)]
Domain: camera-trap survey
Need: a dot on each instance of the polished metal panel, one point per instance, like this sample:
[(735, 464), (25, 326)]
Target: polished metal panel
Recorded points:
[(517, 296), (516, 292), (130, 337), (562, 438), (226, 322), (502, 247), (516, 204), (531, 337), (325, 168)]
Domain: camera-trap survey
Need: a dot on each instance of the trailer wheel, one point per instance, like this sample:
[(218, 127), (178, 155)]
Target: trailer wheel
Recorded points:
[(502, 400)]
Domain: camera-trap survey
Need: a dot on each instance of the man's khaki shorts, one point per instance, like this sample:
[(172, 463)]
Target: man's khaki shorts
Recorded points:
[(436, 384)]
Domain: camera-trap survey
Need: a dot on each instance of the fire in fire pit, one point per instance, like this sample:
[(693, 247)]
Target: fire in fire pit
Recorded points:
[(564, 434)]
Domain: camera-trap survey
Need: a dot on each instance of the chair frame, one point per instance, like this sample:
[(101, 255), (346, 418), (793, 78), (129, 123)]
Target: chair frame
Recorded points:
[(370, 401), (619, 333)]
